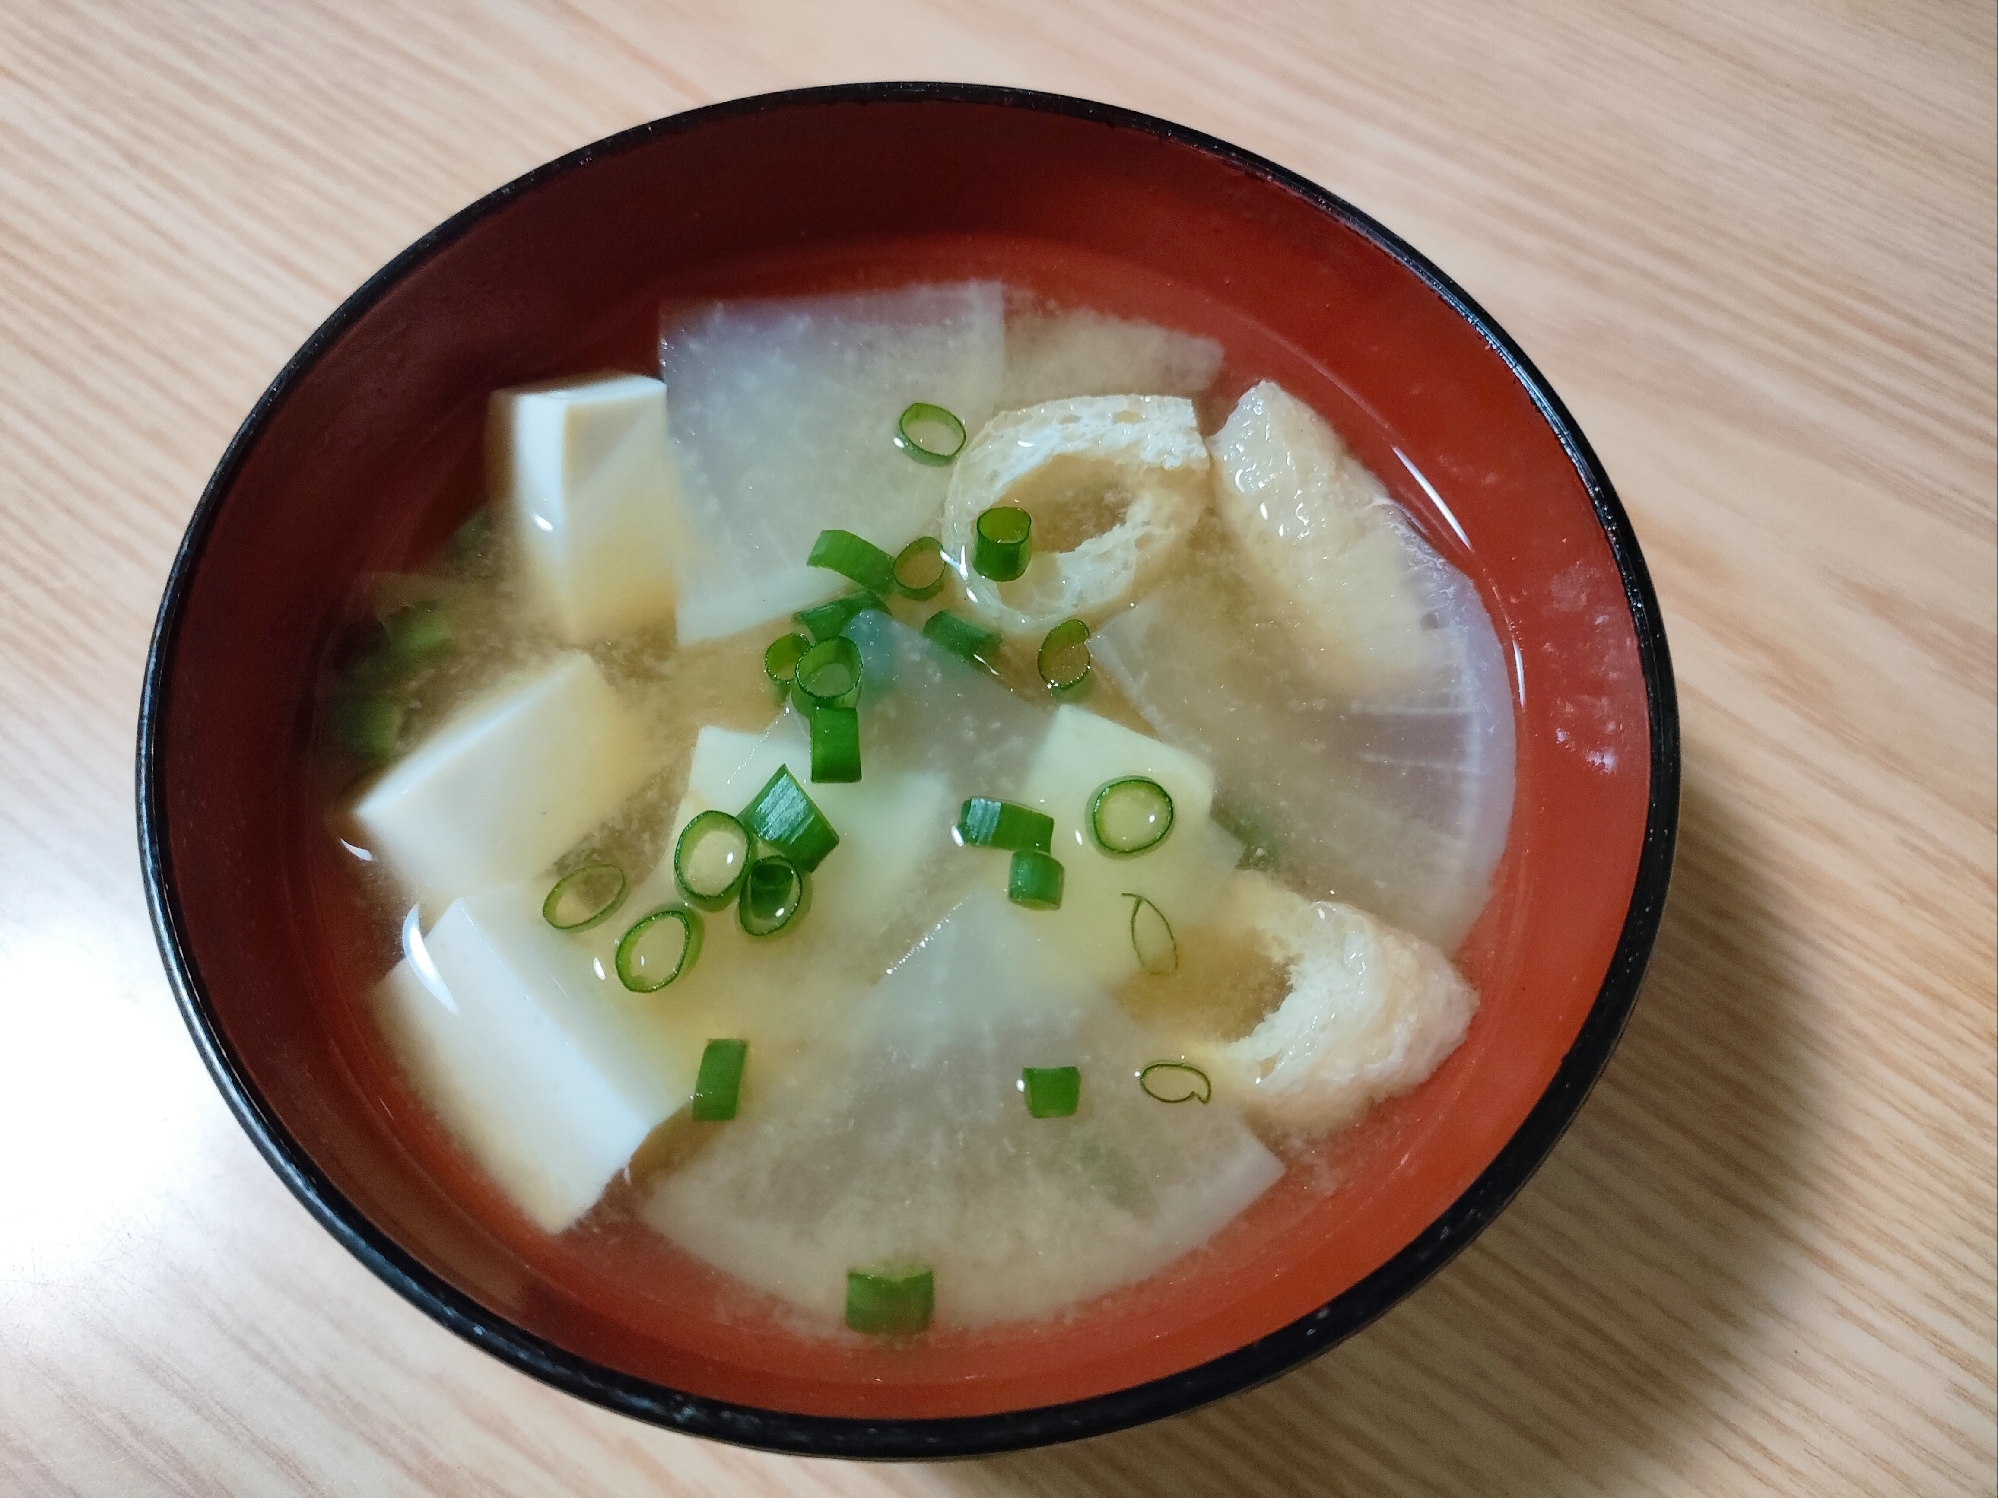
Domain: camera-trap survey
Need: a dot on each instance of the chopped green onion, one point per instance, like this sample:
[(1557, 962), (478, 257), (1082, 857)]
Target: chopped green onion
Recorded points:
[(710, 858), (1176, 1082), (929, 434), (920, 570), (1052, 1091), (890, 1302), (1152, 940), (1003, 543), (835, 746), (1064, 658), (658, 949), (368, 724), (854, 557), (774, 894), (788, 819), (780, 661), (828, 676), (718, 1083), (1034, 880), (986, 823), (1130, 816), (585, 897), (828, 619), (417, 634), (962, 637)]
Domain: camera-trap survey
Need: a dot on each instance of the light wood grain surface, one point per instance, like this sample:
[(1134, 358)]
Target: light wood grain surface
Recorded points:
[(1752, 245)]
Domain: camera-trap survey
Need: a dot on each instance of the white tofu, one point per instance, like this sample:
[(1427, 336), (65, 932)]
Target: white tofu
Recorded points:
[(784, 418), (906, 1138), (545, 1068), (507, 785), (583, 475), (1183, 876)]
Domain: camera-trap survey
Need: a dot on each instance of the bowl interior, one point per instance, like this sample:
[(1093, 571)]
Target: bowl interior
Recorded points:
[(371, 455)]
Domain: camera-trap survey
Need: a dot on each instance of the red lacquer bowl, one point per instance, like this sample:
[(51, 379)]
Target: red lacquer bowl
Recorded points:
[(365, 453)]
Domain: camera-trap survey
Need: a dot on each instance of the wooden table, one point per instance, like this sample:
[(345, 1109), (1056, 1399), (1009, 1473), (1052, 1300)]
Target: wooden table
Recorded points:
[(1751, 245)]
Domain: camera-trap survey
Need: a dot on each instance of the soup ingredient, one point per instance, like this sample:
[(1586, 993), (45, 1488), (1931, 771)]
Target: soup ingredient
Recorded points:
[(1113, 483), (584, 479), (1397, 803), (506, 785), (784, 423), (710, 857), (782, 815), (718, 1084), (986, 823), (658, 948), (1130, 815), (775, 892), (920, 571), (826, 620), (961, 638), (929, 434), (890, 1302), (1051, 1091), (780, 661), (1182, 876), (1371, 1012), (1003, 543), (901, 1140), (835, 745), (584, 897), (1075, 351), (828, 676), (1175, 1082), (1157, 949), (855, 558), (546, 1073), (1034, 880), (1063, 660)]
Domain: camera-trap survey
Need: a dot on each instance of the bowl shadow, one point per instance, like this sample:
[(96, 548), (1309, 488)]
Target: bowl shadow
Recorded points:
[(1586, 1333)]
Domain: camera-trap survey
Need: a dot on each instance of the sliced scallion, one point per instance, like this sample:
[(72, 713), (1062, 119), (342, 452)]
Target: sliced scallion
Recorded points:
[(1052, 1091), (962, 638), (1034, 880), (710, 858), (718, 1082), (1130, 815), (1176, 1082), (417, 634), (368, 724), (891, 1301), (985, 823), (585, 897), (1157, 949), (854, 557), (828, 619), (790, 821), (658, 948), (775, 892), (929, 434), (920, 570), (1064, 658), (780, 661), (835, 746), (1002, 543), (828, 675)]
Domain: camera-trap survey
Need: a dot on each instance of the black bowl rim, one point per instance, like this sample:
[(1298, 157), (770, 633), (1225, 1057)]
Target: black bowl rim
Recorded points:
[(957, 1436)]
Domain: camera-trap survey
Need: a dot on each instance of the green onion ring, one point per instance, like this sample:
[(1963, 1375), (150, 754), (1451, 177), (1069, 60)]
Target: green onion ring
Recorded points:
[(962, 638), (1138, 904), (835, 746), (632, 961), (785, 817), (1064, 660), (984, 822), (1198, 1091), (828, 675), (1002, 543), (774, 894), (1034, 880), (780, 661), (696, 846), (576, 885), (854, 557), (890, 1302), (1138, 813), (826, 620), (920, 569), (931, 453), (718, 1082)]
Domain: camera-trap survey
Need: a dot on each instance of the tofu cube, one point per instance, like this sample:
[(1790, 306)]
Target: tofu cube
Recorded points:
[(507, 785), (584, 476)]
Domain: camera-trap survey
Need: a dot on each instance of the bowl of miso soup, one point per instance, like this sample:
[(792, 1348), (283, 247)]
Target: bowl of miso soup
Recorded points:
[(907, 770)]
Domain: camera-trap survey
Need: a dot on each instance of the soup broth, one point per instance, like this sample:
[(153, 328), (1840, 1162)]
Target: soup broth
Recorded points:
[(751, 895)]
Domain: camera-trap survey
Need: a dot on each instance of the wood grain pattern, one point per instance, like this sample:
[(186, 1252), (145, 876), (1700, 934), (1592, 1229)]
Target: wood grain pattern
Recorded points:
[(1754, 248)]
